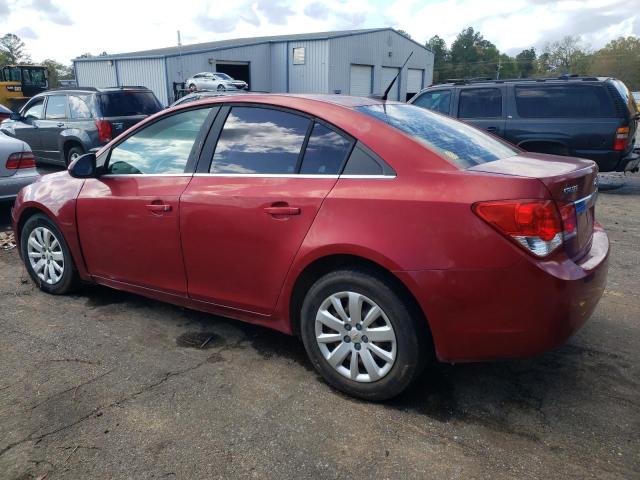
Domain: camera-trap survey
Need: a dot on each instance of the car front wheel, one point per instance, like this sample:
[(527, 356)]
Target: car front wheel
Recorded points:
[(46, 256), (360, 335)]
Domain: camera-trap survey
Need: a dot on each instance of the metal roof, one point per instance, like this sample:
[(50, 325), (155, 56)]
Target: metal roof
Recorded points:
[(233, 43)]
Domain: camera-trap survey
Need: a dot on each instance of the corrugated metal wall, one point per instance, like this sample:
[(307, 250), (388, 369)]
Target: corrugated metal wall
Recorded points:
[(256, 55), (278, 67), (313, 76), (373, 49), (148, 72), (96, 74)]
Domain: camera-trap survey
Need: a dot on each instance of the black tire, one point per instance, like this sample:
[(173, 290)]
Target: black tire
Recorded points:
[(221, 88), (74, 151), (192, 87), (69, 279), (411, 353)]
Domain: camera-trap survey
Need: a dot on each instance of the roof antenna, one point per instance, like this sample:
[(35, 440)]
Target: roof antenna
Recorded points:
[(386, 92)]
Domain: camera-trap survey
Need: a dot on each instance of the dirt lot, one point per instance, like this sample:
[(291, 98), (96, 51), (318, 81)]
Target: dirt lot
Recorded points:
[(105, 384)]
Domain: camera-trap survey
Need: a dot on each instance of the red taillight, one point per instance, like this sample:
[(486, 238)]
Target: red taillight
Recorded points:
[(535, 225), (622, 139), (104, 131), (20, 160)]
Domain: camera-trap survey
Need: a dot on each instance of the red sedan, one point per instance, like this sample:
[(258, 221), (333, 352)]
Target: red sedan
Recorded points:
[(380, 232)]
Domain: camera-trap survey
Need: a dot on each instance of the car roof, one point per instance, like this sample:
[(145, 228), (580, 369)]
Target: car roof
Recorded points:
[(281, 99), (563, 79), (96, 90)]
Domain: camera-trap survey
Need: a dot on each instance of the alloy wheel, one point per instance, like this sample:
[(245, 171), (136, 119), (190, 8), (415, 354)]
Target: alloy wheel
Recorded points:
[(45, 255), (355, 337)]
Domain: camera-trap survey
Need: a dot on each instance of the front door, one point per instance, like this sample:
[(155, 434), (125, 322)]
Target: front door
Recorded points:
[(55, 116), (483, 107), (128, 219), (244, 217), (27, 128)]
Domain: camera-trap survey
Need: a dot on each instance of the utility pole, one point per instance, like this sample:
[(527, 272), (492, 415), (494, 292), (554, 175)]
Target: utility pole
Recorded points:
[(499, 67), (180, 56)]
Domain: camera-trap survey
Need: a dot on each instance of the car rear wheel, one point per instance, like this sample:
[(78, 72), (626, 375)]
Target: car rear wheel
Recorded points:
[(73, 154), (221, 88), (46, 256), (360, 335)]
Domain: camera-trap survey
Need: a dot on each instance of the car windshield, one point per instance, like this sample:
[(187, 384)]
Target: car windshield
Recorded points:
[(127, 103), (224, 76), (461, 144)]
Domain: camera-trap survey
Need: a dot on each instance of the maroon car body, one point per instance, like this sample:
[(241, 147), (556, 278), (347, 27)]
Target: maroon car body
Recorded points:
[(243, 246)]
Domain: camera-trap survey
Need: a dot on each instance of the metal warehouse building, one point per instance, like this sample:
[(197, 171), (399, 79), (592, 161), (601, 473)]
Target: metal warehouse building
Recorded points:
[(356, 62)]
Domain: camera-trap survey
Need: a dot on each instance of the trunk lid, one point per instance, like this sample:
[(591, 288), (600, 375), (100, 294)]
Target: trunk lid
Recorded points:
[(570, 181)]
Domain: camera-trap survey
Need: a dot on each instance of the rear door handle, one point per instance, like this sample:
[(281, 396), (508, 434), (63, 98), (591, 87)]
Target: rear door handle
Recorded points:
[(158, 207), (282, 210), (60, 124)]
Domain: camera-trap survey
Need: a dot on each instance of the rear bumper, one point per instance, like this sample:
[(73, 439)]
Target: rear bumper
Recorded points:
[(10, 186), (630, 162), (520, 311)]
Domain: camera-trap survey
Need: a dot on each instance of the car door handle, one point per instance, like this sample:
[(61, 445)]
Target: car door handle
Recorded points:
[(285, 210), (61, 124), (158, 207), (492, 129)]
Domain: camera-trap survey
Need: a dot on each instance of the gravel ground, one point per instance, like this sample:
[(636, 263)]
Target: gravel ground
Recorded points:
[(104, 384)]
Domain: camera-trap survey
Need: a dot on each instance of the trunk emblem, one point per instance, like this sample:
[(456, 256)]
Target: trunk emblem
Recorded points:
[(571, 189)]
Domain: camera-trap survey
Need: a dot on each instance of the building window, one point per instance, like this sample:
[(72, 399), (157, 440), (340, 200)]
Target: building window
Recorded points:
[(298, 56)]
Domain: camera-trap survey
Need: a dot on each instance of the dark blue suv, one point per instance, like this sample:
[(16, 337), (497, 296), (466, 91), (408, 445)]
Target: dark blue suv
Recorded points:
[(588, 117)]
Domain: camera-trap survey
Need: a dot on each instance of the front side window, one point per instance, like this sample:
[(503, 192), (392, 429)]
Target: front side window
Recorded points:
[(161, 148), (259, 140), (56, 107), (459, 143), (480, 103), (438, 101), (563, 101), (34, 111), (79, 107), (325, 153)]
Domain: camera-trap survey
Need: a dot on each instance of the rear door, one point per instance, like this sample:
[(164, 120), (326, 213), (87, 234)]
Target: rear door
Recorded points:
[(249, 207), (128, 219), (483, 107), (55, 118)]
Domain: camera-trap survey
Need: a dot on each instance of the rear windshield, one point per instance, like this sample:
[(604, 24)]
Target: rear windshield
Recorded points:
[(128, 103), (458, 142)]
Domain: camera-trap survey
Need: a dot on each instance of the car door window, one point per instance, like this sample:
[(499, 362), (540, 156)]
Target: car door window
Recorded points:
[(79, 107), (163, 147), (480, 103), (34, 111), (260, 140), (56, 107), (325, 152), (439, 101)]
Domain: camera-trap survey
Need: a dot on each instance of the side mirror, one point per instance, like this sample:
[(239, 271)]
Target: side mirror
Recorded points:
[(84, 166), (15, 116)]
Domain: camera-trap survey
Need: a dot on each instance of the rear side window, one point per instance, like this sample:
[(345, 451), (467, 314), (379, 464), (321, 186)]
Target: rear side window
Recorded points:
[(461, 144), (480, 103), (161, 148), (260, 140), (79, 107), (563, 101), (438, 101), (56, 107), (128, 103), (325, 152)]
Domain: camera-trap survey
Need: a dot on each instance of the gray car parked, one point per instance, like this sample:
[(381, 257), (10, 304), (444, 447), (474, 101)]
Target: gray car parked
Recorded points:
[(17, 167), (60, 125)]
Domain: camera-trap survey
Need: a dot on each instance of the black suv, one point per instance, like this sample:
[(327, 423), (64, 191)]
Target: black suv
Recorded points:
[(589, 117), (60, 125)]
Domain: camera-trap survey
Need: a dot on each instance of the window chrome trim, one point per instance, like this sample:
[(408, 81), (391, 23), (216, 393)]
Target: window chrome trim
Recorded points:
[(140, 175), (292, 175)]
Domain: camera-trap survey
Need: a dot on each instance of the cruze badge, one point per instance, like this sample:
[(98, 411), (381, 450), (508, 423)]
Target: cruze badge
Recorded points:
[(570, 190)]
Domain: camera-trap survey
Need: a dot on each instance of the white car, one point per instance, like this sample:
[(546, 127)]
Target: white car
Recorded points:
[(214, 81), (17, 167)]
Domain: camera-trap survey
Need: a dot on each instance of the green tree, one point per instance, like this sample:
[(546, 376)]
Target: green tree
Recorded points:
[(473, 56), (568, 55), (441, 60), (619, 58), (526, 61), (13, 50), (57, 72)]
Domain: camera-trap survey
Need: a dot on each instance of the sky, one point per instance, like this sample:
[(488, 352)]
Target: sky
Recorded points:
[(65, 29)]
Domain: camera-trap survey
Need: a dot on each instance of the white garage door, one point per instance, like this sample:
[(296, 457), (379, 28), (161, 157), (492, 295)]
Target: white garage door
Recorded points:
[(388, 73), (414, 80), (360, 83)]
